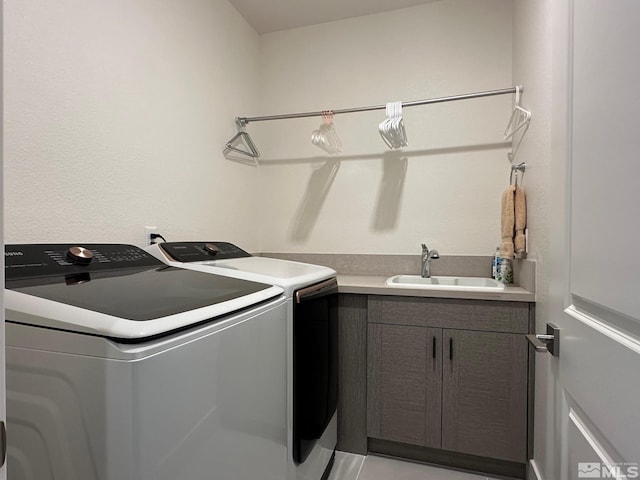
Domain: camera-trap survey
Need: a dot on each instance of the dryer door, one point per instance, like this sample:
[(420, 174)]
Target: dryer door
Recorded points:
[(315, 364)]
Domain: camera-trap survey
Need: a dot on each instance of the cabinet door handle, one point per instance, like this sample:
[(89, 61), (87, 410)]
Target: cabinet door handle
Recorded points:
[(450, 348), (434, 348)]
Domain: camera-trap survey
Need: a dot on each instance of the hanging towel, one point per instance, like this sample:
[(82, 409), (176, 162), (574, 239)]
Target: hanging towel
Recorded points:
[(520, 208), (508, 222)]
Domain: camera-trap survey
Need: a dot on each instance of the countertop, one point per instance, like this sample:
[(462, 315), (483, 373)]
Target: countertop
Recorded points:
[(366, 274), (375, 285)]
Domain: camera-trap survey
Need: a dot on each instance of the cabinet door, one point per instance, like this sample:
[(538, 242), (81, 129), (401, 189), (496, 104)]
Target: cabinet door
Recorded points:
[(404, 380), (485, 394)]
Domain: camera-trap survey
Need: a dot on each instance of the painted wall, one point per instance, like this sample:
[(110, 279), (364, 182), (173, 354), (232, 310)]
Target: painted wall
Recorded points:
[(3, 402), (115, 117), (535, 42), (444, 188)]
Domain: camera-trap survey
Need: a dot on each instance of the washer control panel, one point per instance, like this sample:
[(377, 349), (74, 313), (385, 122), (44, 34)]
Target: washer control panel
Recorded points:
[(40, 260), (201, 251)]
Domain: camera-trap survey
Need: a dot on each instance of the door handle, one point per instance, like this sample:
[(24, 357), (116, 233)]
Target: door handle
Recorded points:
[(3, 441), (549, 342), (318, 290)]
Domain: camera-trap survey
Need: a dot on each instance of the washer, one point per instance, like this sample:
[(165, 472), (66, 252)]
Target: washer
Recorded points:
[(121, 368), (311, 291)]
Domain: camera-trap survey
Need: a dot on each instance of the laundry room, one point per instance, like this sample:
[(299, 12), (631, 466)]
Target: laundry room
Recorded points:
[(380, 150), (117, 116)]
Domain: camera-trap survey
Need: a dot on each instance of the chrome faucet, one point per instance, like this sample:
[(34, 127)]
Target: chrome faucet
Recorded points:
[(427, 256)]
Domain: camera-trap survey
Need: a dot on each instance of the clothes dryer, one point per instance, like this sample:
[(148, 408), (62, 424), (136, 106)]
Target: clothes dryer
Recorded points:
[(312, 341)]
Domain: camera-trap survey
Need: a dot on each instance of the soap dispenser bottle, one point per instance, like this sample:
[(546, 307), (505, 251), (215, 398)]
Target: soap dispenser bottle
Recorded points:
[(495, 263)]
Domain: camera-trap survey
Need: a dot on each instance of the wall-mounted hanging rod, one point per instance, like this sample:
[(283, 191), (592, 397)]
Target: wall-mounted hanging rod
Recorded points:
[(242, 121)]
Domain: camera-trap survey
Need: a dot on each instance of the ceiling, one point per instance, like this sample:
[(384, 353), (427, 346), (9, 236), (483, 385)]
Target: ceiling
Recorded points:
[(273, 15)]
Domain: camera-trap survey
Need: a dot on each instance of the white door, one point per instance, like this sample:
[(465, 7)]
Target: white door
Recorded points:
[(595, 292), (3, 417)]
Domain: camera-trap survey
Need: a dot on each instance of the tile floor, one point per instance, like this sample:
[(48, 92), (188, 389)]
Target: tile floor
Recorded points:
[(357, 467)]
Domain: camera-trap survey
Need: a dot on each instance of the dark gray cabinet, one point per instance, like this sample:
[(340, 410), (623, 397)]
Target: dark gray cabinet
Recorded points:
[(404, 376), (484, 394), (449, 374)]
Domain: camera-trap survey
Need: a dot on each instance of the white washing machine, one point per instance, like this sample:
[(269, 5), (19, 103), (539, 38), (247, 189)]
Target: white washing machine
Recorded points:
[(312, 339), (121, 368)]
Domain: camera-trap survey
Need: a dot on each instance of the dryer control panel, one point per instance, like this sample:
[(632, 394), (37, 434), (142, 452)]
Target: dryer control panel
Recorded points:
[(201, 251), (43, 260)]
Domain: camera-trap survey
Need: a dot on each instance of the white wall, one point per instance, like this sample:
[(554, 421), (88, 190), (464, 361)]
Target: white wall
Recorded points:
[(447, 191), (3, 403), (534, 42), (116, 113)]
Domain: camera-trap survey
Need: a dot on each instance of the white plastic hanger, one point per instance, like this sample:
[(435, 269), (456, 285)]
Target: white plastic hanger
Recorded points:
[(392, 128), (518, 122), (520, 118), (326, 137)]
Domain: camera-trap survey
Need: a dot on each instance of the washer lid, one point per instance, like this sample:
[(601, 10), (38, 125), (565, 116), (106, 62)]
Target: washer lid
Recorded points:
[(138, 290), (139, 295)]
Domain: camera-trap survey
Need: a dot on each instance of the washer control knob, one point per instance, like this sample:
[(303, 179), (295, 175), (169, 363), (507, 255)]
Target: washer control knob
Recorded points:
[(79, 255), (211, 249)]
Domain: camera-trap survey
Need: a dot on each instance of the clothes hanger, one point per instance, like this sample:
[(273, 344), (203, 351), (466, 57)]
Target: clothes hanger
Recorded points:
[(518, 122), (243, 138), (519, 119), (326, 137), (392, 128)]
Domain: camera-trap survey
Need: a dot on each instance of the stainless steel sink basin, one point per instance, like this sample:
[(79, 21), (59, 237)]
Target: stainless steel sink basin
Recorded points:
[(469, 284)]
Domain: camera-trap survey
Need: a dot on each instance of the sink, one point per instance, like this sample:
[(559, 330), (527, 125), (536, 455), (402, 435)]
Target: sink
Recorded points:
[(468, 284)]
